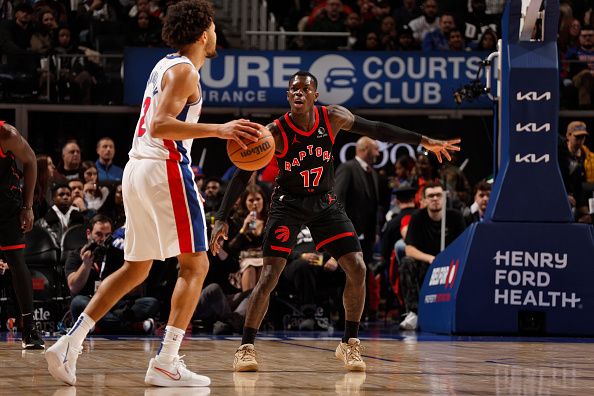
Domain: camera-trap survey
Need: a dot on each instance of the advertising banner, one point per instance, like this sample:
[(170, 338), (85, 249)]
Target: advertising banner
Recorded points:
[(353, 79)]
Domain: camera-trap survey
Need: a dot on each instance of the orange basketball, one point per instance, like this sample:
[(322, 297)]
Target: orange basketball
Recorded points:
[(256, 156)]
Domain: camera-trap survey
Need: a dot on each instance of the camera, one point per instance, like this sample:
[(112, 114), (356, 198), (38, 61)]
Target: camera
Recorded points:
[(475, 89), (469, 92), (98, 250)]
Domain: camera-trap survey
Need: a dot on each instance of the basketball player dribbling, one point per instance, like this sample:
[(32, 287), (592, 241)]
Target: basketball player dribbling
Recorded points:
[(303, 196), (164, 213)]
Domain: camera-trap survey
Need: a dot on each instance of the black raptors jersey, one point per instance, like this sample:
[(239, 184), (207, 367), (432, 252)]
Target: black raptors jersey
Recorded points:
[(306, 163), (10, 189)]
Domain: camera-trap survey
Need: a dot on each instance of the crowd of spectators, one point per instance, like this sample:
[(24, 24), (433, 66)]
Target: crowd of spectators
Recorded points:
[(399, 229), (50, 50)]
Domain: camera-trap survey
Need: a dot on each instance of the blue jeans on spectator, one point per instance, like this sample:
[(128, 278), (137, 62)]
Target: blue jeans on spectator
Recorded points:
[(142, 309)]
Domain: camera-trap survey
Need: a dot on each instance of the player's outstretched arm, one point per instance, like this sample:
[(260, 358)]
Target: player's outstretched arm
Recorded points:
[(236, 186), (11, 140), (344, 119), (178, 85)]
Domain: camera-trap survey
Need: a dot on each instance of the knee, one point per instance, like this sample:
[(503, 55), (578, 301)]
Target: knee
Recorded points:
[(268, 279), (355, 268), (136, 272)]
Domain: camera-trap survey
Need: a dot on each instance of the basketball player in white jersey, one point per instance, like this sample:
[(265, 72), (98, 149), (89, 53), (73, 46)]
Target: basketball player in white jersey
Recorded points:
[(164, 213)]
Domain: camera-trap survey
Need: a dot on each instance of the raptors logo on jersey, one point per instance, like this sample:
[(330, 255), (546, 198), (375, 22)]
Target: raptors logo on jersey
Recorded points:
[(144, 145), (306, 163)]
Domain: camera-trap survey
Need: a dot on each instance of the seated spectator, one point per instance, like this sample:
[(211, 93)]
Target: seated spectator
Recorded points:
[(15, 40), (395, 230), (70, 167), (576, 163), (95, 195), (423, 244), (42, 197), (79, 75), (44, 35), (488, 41), (406, 13), (370, 42), (311, 274), (246, 241), (477, 210), (78, 199), (331, 19), (114, 207), (61, 215), (427, 22), (225, 313), (353, 25), (145, 31), (406, 41), (456, 41), (387, 34), (107, 170), (477, 22), (212, 195), (86, 267), (582, 73), (90, 11), (437, 40)]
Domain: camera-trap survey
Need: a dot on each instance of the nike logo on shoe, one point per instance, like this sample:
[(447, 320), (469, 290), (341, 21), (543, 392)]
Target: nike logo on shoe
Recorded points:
[(175, 377), (66, 354)]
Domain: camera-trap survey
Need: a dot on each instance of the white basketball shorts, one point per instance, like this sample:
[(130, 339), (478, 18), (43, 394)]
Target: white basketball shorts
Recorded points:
[(164, 213)]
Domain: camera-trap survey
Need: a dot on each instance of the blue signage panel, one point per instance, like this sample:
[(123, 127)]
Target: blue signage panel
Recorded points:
[(352, 79), (495, 272)]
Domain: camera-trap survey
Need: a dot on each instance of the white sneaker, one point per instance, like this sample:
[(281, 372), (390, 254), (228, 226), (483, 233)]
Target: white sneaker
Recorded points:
[(350, 354), (61, 360), (174, 374), (410, 322)]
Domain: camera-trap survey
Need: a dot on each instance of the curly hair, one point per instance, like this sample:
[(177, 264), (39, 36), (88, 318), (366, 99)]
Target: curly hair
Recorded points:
[(186, 21)]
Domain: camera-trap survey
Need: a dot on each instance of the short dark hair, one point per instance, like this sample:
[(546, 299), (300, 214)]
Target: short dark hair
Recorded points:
[(58, 186), (99, 219), (482, 186), (186, 21), (303, 73), (587, 27), (432, 184)]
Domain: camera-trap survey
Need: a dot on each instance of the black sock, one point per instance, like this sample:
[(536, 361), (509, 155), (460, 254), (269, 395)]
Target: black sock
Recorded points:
[(27, 322), (351, 330), (21, 283), (249, 335)]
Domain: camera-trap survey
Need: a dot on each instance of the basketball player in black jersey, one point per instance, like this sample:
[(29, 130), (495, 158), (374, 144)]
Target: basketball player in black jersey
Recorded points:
[(16, 218), (303, 195)]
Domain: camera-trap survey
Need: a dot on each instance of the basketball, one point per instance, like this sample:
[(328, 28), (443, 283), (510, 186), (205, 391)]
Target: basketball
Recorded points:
[(257, 155)]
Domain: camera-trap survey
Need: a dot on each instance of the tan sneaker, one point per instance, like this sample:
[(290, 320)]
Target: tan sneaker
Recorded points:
[(350, 354), (245, 358)]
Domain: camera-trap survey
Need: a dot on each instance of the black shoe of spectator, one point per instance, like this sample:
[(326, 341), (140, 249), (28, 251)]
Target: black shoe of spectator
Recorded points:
[(32, 340)]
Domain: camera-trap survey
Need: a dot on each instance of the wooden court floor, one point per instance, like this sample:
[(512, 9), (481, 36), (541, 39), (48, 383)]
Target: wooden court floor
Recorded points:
[(294, 366)]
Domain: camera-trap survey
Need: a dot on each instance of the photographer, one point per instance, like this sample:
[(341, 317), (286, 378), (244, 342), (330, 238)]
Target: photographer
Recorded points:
[(87, 267)]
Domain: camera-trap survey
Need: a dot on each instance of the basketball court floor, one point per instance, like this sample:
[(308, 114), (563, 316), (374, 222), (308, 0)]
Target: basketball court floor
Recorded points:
[(398, 364)]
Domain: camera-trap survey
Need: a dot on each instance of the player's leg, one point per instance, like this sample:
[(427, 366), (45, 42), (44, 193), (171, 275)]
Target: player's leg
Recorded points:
[(333, 231), (62, 356), (166, 369), (12, 244), (279, 238)]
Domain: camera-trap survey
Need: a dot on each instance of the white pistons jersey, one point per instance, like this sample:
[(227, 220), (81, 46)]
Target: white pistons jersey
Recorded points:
[(164, 212), (146, 146)]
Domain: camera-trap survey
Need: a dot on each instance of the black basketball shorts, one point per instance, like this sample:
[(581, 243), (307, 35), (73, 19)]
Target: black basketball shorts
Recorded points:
[(11, 235), (330, 227)]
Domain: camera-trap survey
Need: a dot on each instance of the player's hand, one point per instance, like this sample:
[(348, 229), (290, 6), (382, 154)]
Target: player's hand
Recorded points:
[(26, 218), (241, 131), (440, 147), (219, 230)]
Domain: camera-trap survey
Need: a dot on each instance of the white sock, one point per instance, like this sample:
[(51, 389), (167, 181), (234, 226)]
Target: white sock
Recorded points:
[(170, 344), (81, 328)]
